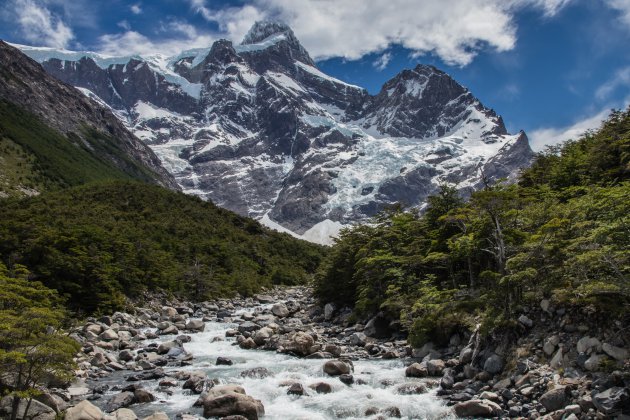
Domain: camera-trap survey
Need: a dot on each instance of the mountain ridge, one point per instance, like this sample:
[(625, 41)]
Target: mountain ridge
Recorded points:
[(258, 129)]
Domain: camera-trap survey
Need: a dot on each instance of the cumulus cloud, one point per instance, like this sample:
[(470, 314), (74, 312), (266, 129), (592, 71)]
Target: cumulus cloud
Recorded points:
[(542, 137), (38, 25), (136, 9), (132, 42), (455, 30), (381, 63)]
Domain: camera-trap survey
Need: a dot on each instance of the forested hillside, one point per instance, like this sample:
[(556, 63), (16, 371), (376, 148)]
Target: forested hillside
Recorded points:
[(99, 242), (562, 232)]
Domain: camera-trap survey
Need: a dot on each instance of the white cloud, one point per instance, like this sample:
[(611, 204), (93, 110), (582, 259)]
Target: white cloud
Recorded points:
[(621, 79), (136, 9), (381, 63), (455, 30), (623, 6), (131, 42), (39, 26), (542, 137)]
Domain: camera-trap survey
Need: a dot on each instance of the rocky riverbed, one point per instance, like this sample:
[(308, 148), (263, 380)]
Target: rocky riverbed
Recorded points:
[(282, 356)]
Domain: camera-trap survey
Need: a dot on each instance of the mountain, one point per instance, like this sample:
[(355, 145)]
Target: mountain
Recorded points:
[(258, 129), (52, 136)]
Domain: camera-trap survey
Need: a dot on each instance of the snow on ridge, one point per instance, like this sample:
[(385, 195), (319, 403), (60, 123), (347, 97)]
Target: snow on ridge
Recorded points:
[(262, 45), (314, 71)]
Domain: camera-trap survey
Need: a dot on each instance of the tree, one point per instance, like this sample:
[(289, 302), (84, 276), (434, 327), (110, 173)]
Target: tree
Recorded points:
[(33, 350)]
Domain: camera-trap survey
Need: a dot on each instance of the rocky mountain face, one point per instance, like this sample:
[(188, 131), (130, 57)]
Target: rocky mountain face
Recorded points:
[(25, 85), (258, 129)]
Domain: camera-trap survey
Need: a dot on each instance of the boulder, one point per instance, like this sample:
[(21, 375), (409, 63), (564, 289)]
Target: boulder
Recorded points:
[(248, 326), (550, 344), (248, 344), (417, 370), (280, 310), (555, 399), (36, 410), (224, 361), (346, 378), (411, 388), (612, 401), (299, 343), (108, 335), (321, 388), (231, 404), (142, 396), (329, 310), (165, 347), (336, 368), (158, 415), (435, 367), (122, 400), (592, 363), (493, 364), (378, 327), (261, 336), (589, 345), (616, 353), (477, 408), (524, 320), (124, 414), (196, 382), (265, 299), (357, 339), (195, 325), (168, 311), (296, 389), (84, 410)]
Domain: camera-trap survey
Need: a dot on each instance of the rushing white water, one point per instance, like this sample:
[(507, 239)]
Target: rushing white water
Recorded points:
[(349, 402)]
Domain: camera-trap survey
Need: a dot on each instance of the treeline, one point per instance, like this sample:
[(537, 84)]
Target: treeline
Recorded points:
[(96, 243), (562, 232)]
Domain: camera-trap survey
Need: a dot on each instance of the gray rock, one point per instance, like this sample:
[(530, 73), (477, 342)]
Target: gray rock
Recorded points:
[(357, 339), (477, 408), (36, 410), (224, 361), (417, 370), (493, 364), (256, 373), (230, 404), (329, 310), (550, 344), (589, 345), (555, 399), (108, 335), (435, 367), (336, 368), (593, 362), (124, 414), (616, 353), (612, 401), (411, 388), (165, 347), (158, 415), (321, 388), (296, 389), (525, 321), (195, 325), (122, 400), (299, 343), (280, 310), (84, 410), (248, 326)]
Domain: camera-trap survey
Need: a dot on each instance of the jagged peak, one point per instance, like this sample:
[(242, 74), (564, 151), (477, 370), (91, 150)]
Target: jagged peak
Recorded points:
[(263, 29)]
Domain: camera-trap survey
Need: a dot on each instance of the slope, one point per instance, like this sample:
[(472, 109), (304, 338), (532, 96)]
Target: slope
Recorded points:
[(52, 136), (99, 242)]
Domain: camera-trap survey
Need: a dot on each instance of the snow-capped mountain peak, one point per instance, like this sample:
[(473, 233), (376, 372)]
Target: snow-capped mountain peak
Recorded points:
[(258, 129)]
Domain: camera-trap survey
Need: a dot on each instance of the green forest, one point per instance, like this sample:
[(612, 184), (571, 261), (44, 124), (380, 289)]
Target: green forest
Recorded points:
[(97, 243), (562, 232)]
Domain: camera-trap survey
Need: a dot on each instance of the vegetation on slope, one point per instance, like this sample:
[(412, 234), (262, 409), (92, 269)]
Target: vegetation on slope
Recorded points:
[(34, 156), (99, 242), (563, 233)]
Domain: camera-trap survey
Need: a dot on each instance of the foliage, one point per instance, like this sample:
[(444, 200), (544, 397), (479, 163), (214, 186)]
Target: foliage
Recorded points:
[(563, 231), (33, 351), (35, 156), (99, 242)]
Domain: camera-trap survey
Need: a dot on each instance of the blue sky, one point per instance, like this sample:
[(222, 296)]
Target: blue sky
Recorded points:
[(551, 67)]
